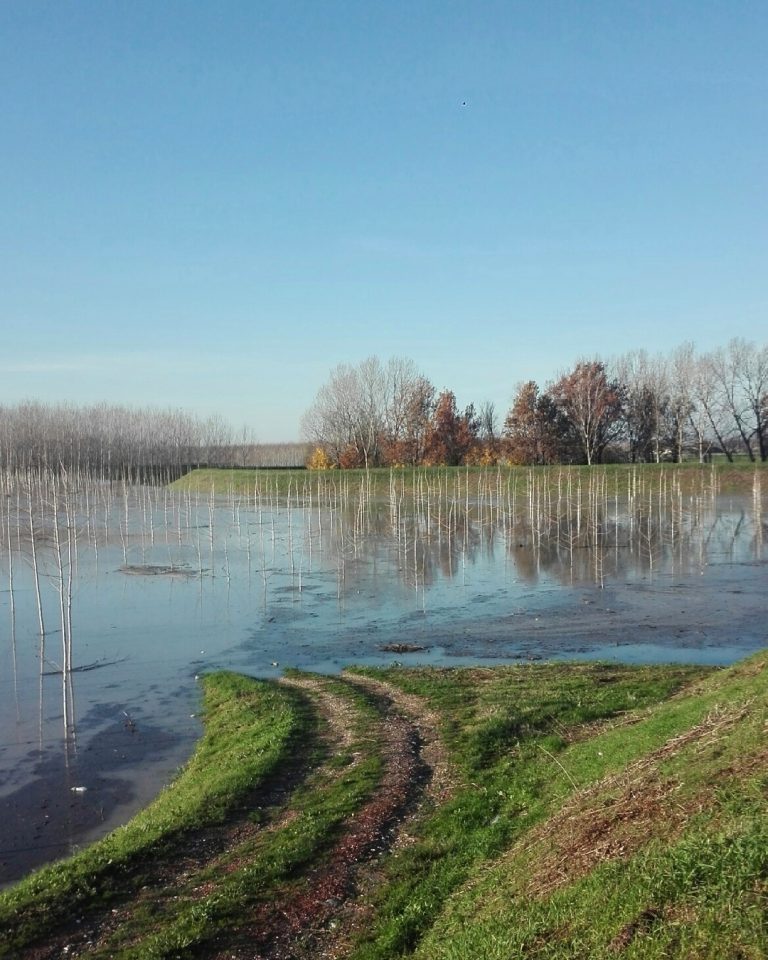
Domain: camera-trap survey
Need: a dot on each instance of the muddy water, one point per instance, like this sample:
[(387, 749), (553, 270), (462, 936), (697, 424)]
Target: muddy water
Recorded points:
[(163, 590)]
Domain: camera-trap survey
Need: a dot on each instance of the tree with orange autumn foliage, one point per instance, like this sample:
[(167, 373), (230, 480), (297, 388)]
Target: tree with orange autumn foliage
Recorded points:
[(452, 435), (535, 431)]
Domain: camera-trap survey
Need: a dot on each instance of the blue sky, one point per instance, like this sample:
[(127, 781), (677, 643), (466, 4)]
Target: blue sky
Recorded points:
[(210, 205)]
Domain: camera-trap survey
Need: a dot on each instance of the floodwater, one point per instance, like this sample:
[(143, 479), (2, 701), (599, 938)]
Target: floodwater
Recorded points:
[(143, 590)]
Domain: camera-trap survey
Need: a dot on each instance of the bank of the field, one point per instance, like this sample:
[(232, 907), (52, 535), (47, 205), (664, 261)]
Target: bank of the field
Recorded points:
[(603, 814), (591, 810), (725, 477)]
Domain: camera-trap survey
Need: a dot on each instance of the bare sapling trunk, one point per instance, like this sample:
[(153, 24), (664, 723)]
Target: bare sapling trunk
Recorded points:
[(35, 567)]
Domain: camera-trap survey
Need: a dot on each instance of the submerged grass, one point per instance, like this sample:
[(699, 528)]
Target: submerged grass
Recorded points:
[(594, 811), (692, 477)]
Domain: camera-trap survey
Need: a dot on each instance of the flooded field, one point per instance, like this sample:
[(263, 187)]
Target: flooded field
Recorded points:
[(113, 598)]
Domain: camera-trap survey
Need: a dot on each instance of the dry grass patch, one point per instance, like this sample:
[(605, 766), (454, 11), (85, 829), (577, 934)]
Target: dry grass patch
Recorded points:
[(617, 815)]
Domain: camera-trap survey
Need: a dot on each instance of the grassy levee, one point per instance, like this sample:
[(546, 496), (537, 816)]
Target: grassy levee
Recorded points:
[(693, 477), (252, 728), (647, 838), (584, 810)]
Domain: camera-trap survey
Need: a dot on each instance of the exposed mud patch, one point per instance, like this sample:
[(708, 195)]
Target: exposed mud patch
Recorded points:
[(159, 570)]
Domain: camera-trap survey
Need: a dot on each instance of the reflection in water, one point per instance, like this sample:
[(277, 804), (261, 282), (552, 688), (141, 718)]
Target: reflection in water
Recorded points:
[(570, 532), (132, 590), (430, 528)]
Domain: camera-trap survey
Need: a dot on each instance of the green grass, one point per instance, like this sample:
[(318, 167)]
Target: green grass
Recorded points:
[(692, 878), (596, 811), (178, 920), (502, 726)]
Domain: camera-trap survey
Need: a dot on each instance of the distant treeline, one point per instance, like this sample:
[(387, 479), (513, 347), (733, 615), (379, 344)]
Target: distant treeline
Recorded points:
[(108, 441), (635, 408)]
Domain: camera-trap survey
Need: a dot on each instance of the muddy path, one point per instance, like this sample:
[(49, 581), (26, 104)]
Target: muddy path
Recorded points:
[(318, 917), (317, 912)]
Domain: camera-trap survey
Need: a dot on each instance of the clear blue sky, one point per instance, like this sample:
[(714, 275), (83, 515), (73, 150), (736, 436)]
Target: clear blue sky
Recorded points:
[(209, 205)]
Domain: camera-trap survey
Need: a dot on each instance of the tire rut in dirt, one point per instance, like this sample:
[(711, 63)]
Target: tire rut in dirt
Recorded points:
[(297, 925)]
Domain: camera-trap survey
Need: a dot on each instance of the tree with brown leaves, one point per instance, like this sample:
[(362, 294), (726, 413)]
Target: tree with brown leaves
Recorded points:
[(452, 434), (535, 431)]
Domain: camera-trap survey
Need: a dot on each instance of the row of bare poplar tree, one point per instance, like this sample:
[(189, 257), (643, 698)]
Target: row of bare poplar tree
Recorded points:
[(637, 407), (109, 441)]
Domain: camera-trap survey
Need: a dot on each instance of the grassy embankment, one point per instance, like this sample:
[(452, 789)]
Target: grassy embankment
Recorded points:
[(592, 810), (641, 836), (730, 478)]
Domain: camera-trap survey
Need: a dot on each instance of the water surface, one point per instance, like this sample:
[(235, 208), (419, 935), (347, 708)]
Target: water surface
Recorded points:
[(154, 588)]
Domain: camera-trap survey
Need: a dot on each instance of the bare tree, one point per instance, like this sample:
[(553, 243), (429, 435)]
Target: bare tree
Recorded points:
[(412, 400), (107, 441), (339, 417), (751, 364), (681, 372), (644, 403), (740, 373), (710, 416), (593, 404), (364, 412), (486, 415)]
